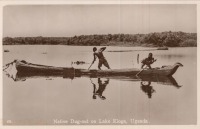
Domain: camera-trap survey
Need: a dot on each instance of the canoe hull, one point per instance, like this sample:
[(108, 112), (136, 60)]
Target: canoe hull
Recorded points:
[(127, 72), (24, 67), (29, 68)]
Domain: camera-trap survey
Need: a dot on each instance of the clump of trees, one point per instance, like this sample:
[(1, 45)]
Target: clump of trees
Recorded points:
[(169, 39)]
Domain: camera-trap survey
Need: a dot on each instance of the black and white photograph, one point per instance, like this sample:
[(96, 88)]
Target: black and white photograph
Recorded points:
[(99, 64)]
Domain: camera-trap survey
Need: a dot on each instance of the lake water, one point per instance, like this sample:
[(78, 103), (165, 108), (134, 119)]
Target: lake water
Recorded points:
[(62, 101)]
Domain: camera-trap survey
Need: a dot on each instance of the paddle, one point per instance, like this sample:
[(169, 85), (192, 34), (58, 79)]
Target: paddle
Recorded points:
[(138, 58), (91, 65), (139, 73)]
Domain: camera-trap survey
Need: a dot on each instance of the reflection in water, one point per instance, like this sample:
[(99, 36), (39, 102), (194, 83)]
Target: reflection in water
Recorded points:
[(147, 88), (102, 85), (98, 89), (145, 85)]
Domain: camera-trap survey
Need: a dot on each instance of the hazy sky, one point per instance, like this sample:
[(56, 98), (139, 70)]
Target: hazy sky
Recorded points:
[(70, 20)]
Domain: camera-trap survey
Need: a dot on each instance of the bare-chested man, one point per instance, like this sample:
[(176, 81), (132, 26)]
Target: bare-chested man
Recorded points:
[(102, 60)]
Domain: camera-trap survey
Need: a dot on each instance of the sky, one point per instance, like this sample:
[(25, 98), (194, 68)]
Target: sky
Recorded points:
[(71, 20)]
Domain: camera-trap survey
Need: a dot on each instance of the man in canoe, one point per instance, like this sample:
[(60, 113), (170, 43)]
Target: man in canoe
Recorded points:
[(102, 60), (148, 61)]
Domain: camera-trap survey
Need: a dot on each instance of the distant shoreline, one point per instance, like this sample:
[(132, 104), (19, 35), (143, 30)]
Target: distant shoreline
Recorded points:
[(163, 39), (90, 45)]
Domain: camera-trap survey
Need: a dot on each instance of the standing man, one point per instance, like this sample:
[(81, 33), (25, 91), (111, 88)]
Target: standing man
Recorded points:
[(102, 60)]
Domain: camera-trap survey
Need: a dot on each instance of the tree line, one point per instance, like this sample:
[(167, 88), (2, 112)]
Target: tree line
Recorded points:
[(168, 39)]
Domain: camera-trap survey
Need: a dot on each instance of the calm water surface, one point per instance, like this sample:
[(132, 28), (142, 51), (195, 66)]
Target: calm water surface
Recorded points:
[(50, 100)]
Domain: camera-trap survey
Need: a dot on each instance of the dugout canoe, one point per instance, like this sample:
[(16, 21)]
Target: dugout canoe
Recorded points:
[(164, 80), (28, 68)]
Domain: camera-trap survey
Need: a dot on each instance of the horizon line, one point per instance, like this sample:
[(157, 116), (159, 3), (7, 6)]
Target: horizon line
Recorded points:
[(98, 34)]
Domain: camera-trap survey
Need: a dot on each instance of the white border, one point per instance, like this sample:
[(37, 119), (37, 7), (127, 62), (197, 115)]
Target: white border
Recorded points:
[(60, 2)]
